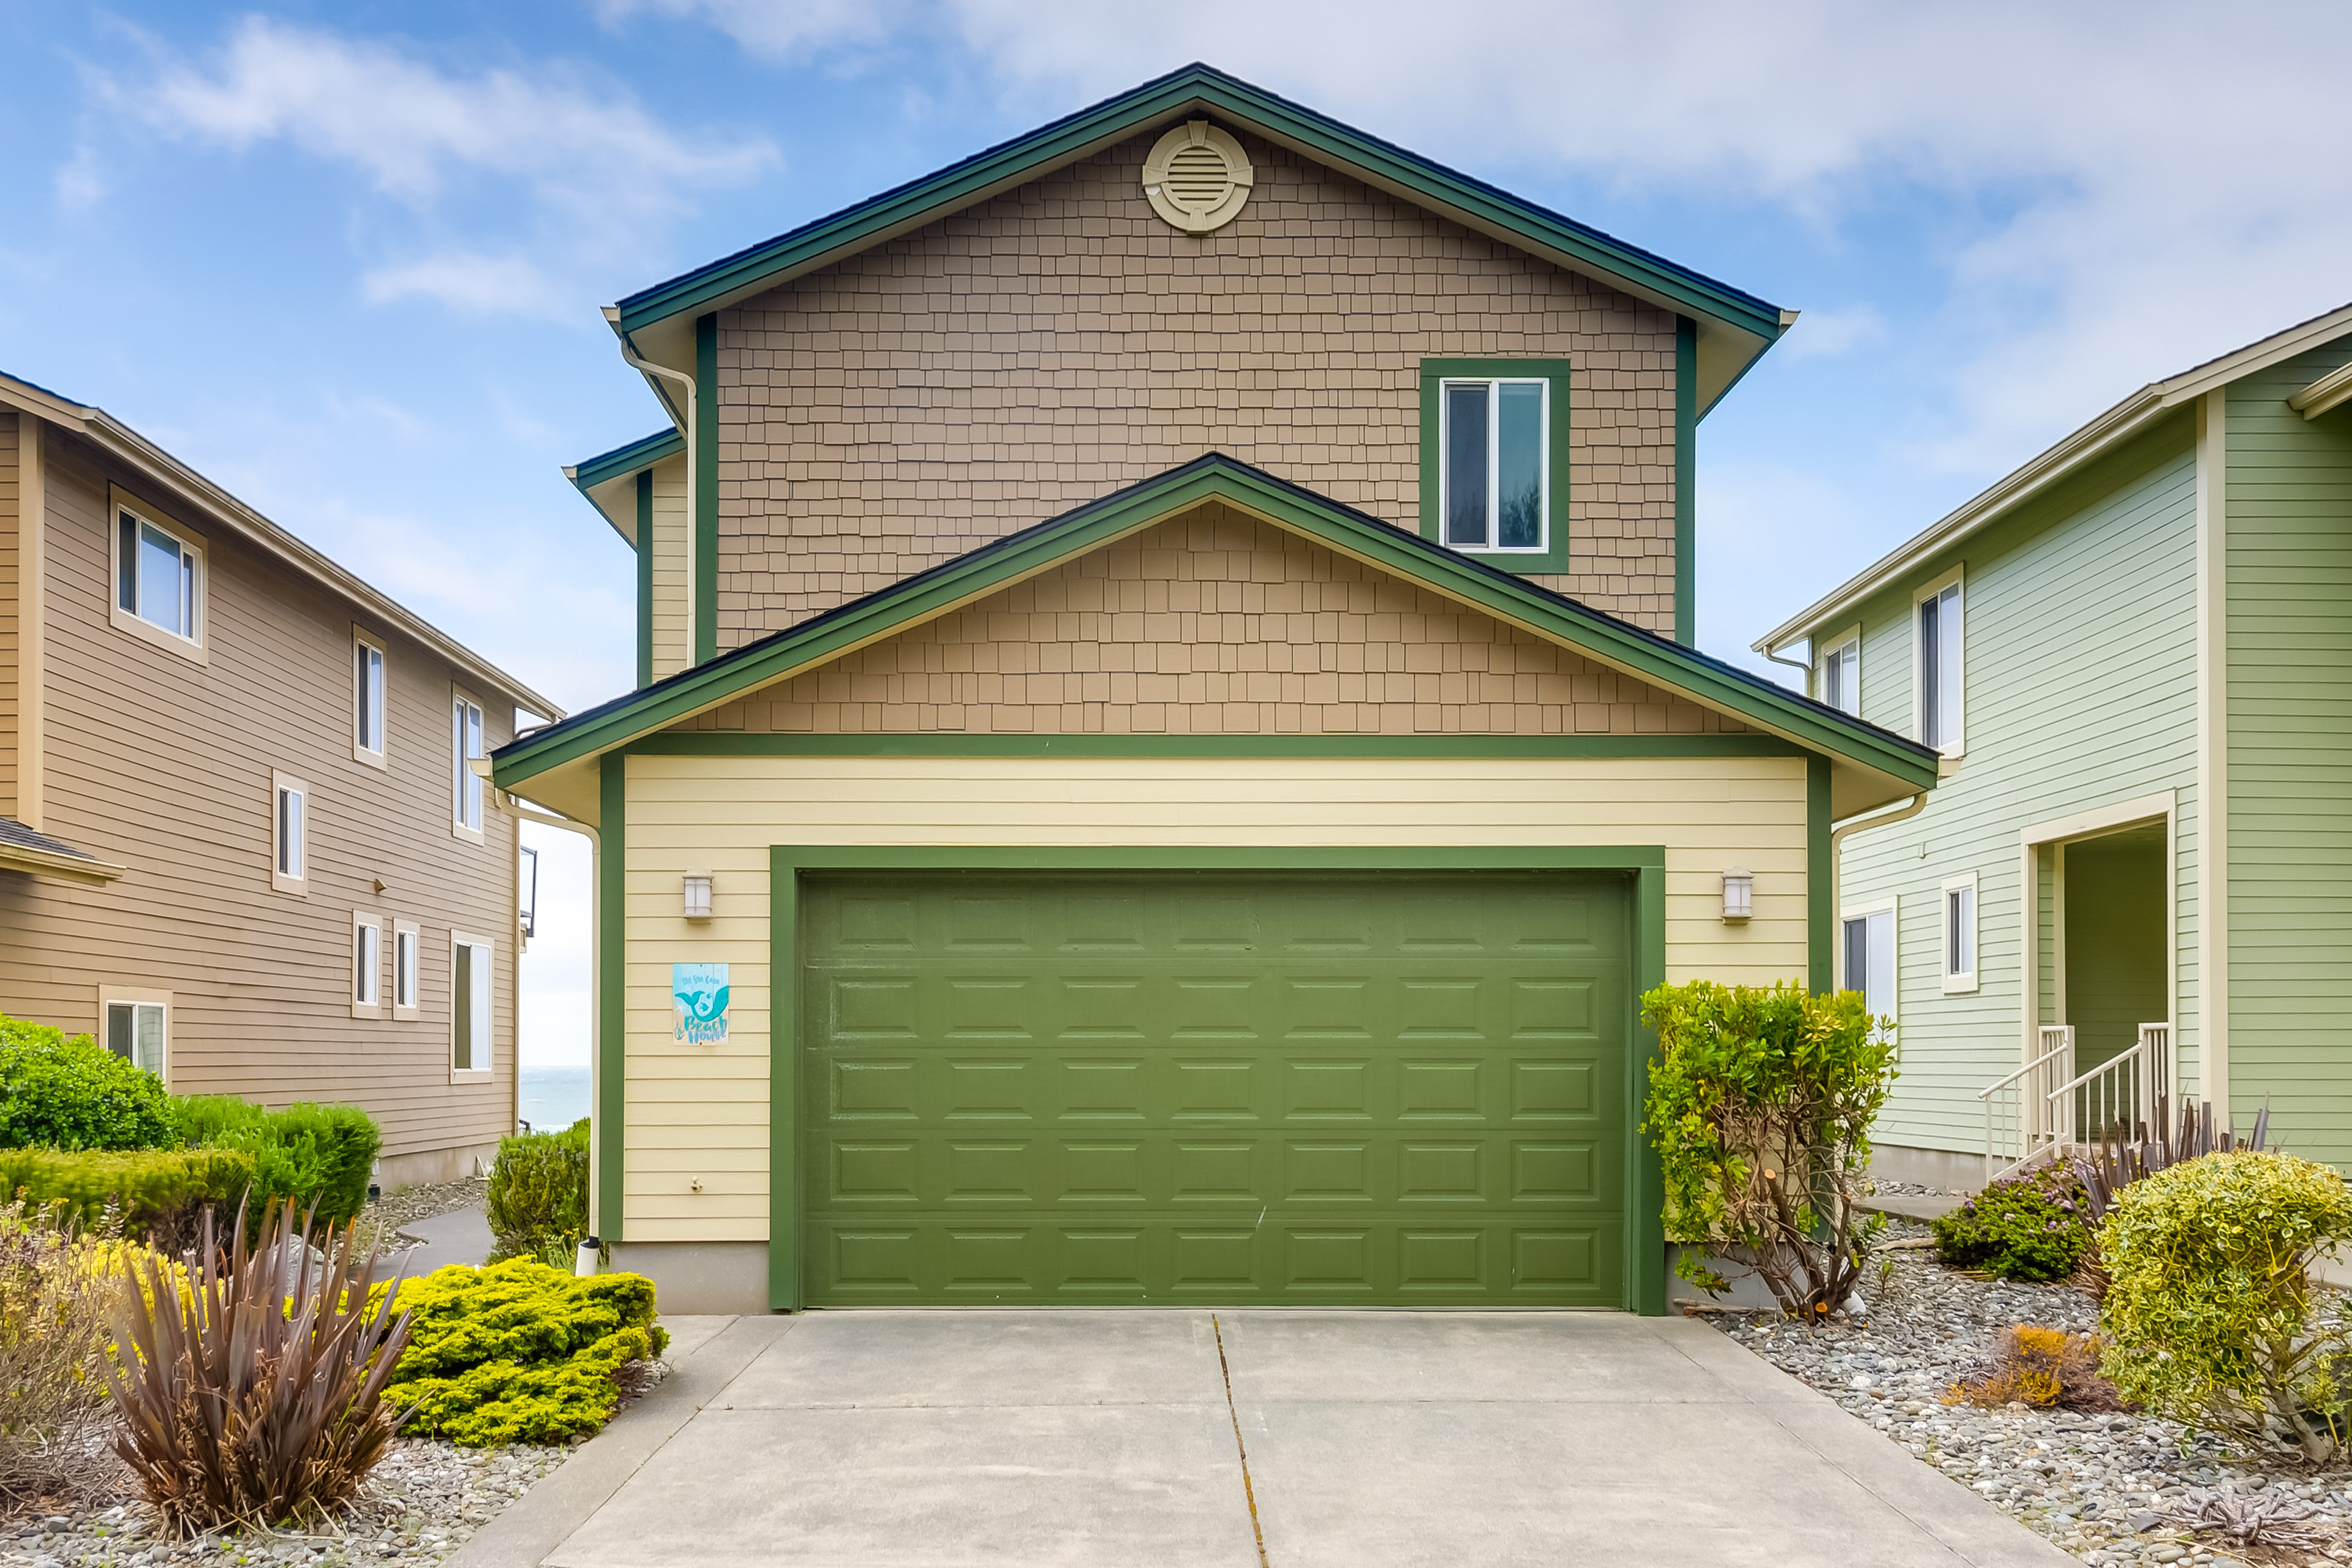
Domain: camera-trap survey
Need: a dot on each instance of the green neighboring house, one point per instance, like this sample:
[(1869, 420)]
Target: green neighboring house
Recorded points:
[(2153, 615)]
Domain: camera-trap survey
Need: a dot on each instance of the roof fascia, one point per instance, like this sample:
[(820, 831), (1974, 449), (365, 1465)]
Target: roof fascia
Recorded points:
[(1737, 327), (608, 481), (83, 870), (40, 400), (984, 570), (2101, 436), (128, 446), (2326, 392)]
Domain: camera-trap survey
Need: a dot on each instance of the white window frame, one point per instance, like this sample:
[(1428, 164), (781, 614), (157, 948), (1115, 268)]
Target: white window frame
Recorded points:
[(466, 787), (1955, 681), (367, 964), (363, 645), (112, 994), (282, 880), (1846, 648), (1958, 981), (407, 960), (1892, 908), (485, 1051), (192, 648), (1494, 461)]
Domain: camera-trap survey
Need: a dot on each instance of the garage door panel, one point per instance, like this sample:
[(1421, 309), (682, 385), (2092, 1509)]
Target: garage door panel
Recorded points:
[(1382, 1088)]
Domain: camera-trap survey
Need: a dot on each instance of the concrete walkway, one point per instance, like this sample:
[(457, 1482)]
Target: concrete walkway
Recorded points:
[(1294, 1439), (461, 1235)]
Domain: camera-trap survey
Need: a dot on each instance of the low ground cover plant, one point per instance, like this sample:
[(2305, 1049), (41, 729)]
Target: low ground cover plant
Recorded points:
[(2042, 1367), (538, 1196), (2210, 1315), (519, 1353), (1760, 1106), (253, 1389), (61, 1093), (2030, 1227)]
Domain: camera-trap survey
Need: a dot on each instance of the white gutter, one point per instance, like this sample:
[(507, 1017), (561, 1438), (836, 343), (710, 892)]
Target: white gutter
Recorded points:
[(1878, 816), (693, 518)]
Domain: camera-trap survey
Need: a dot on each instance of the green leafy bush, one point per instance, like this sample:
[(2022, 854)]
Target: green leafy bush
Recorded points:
[(2209, 1316), (519, 1353), (1760, 1106), (307, 1154), (2017, 1229), (60, 1093), (537, 1198), (155, 1190)]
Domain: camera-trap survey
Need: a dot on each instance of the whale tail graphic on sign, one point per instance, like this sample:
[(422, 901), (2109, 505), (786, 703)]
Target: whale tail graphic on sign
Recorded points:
[(698, 1002)]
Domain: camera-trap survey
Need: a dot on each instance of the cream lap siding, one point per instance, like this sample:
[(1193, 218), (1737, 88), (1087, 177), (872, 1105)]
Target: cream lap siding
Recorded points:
[(2081, 684), (673, 608), (2290, 757), (702, 1110)]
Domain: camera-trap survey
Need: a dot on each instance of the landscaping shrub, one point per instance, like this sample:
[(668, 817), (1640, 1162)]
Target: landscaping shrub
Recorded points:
[(57, 1286), (537, 1198), (151, 1190), (2041, 1367), (1759, 1105), (2210, 1315), (257, 1393), (518, 1352), (2101, 1174), (60, 1093), (310, 1155), (2017, 1229)]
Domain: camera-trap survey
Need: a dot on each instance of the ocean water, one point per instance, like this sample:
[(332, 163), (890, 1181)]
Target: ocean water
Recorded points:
[(553, 1098)]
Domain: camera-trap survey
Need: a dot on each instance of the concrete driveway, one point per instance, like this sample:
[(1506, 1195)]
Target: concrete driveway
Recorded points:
[(1291, 1439)]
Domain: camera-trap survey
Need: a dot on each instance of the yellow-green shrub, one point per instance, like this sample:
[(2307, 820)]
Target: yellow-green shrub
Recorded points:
[(518, 1352), (2209, 1314), (158, 1190)]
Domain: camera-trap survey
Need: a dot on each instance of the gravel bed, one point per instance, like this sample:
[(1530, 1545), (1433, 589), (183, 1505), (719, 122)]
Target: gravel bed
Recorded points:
[(419, 1201), (2096, 1485)]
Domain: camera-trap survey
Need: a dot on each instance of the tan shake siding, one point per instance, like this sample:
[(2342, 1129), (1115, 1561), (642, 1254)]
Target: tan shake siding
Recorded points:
[(11, 633), (701, 1112), (1215, 623), (1059, 342), (163, 766), (673, 623)]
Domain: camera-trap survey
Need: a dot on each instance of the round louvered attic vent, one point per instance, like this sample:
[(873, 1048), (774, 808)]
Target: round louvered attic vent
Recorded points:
[(1197, 177)]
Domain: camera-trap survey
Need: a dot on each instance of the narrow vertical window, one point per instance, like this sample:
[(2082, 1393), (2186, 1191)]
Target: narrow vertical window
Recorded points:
[(466, 747), (403, 970), (469, 1004), (367, 964), (1497, 464), (1960, 935), (367, 701), (1940, 675), (289, 834)]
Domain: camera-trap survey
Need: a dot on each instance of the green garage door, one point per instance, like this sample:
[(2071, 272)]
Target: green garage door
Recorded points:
[(1373, 1088)]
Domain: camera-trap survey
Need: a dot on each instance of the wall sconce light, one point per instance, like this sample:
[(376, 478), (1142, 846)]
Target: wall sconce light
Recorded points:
[(1738, 897), (698, 895)]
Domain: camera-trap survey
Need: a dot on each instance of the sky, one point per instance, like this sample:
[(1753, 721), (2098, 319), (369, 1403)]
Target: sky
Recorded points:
[(348, 260)]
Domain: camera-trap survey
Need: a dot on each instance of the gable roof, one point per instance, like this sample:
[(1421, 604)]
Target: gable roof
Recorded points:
[(1734, 326), (605, 479), (997, 564), (2103, 435), (136, 452)]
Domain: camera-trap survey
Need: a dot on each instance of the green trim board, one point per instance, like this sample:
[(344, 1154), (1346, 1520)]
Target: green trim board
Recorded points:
[(1821, 920), (1685, 481), (612, 997), (744, 743), (1644, 1264), (706, 490), (622, 461), (1554, 558), (1191, 88), (1216, 477), (644, 579)]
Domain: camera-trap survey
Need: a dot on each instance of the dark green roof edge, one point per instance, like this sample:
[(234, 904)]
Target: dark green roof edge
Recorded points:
[(622, 460), (1215, 475), (1694, 291)]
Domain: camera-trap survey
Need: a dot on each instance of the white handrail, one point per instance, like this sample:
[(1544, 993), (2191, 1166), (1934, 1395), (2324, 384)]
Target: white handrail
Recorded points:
[(2114, 1092), (2026, 1104), (1999, 1084)]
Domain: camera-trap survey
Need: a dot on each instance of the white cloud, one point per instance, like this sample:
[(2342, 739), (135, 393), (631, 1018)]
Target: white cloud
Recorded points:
[(2170, 180), (1821, 335), (599, 178)]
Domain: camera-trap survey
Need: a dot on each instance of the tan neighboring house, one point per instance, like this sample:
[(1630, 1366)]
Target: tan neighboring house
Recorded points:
[(240, 839), (1167, 748)]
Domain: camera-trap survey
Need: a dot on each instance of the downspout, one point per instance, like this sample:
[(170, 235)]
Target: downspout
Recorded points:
[(1877, 816), (693, 518), (523, 811), (1808, 687)]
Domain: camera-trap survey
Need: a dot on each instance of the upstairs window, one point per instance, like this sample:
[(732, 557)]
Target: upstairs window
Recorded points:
[(367, 964), (470, 972), (465, 748), (159, 579), (404, 940), (1960, 933), (1494, 437), (1942, 681), (1837, 678), (367, 701), (289, 834)]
